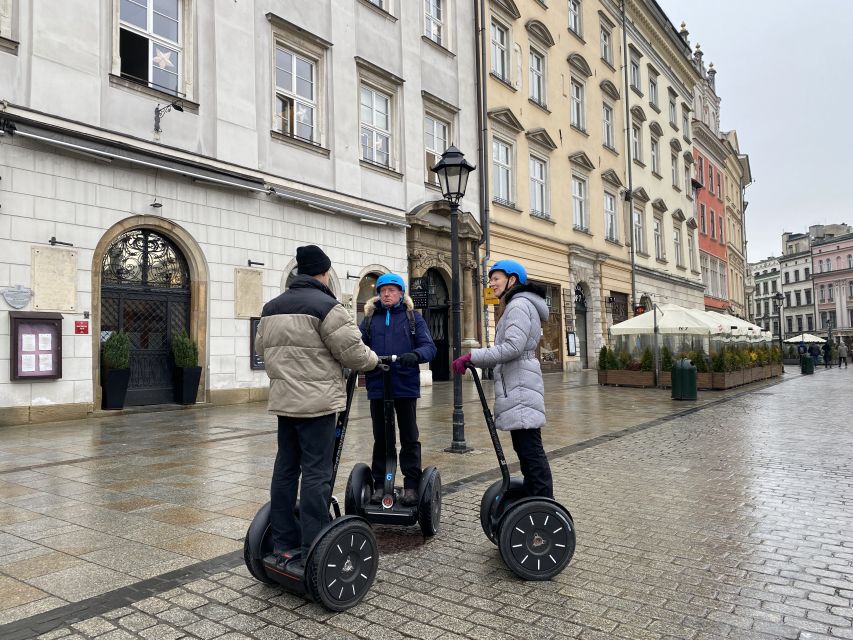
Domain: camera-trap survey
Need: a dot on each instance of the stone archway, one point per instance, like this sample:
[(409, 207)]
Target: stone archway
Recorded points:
[(198, 290)]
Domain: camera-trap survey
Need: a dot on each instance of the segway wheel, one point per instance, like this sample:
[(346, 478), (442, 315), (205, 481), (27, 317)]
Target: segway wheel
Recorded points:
[(359, 488), (429, 505), (257, 544), (537, 539), (343, 566), (489, 506)]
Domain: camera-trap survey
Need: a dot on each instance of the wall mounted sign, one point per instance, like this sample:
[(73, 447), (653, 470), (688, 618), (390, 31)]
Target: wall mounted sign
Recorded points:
[(35, 341), (81, 327), (489, 296), (18, 296), (571, 343), (419, 292)]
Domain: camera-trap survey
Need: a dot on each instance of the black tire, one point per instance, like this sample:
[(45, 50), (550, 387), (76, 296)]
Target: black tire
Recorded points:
[(537, 539), (343, 565), (487, 504), (358, 491), (257, 544), (429, 504)]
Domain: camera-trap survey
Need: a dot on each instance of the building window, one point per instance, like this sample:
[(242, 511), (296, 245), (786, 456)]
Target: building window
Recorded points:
[(713, 224), (436, 136), (639, 231), (654, 152), (674, 158), (706, 273), (685, 122), (798, 298), (676, 243), (660, 246), (150, 45), (636, 139), (688, 187), (710, 177), (787, 298), (829, 293), (653, 89), (701, 169), (850, 289), (810, 322), (375, 126), (690, 253), (500, 52), (611, 231), (501, 171), (799, 324), (295, 94), (635, 71), (537, 77), (579, 217), (808, 293), (607, 119), (796, 275), (720, 222), (606, 45), (538, 187), (433, 20), (807, 273), (702, 227), (577, 105), (673, 110), (719, 187), (787, 278), (575, 16)]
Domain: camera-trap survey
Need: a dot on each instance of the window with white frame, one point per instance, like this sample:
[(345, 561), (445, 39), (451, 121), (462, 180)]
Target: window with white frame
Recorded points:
[(575, 24), (719, 187), (537, 77), (500, 50), (850, 289), (436, 141), (577, 104), (579, 205), (685, 122), (675, 172), (606, 44), (673, 109), (706, 273), (808, 293), (375, 126), (720, 223), (634, 67), (636, 141), (434, 20), (702, 227), (710, 178), (501, 171), (676, 244), (538, 186), (691, 251), (654, 153), (829, 293), (611, 230), (653, 89), (607, 119), (150, 43), (639, 230), (688, 187), (701, 170), (295, 94), (713, 224), (660, 246)]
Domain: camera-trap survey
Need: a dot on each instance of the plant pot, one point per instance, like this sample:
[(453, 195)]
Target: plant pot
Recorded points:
[(704, 381), (602, 376), (186, 384), (114, 387)]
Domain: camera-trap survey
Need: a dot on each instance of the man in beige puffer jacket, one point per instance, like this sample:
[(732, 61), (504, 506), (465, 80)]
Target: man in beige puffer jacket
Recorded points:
[(306, 338)]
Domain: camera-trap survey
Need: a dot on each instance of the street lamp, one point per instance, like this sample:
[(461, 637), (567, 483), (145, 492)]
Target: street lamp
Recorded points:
[(780, 298), (452, 171)]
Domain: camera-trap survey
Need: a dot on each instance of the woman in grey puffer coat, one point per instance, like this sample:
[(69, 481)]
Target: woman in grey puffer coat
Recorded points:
[(519, 389)]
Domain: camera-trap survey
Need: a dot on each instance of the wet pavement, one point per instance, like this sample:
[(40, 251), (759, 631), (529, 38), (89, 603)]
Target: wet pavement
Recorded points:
[(728, 517)]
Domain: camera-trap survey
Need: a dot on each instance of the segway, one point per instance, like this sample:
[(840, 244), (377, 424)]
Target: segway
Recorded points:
[(359, 489), (535, 536), (343, 559)]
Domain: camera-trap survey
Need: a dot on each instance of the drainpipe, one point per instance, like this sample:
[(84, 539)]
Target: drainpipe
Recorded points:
[(629, 193), (482, 119)]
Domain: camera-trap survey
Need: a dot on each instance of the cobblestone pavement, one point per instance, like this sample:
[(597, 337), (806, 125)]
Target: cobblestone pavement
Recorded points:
[(727, 519)]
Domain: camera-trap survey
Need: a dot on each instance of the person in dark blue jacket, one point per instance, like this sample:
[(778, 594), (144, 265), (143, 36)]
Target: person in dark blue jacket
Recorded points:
[(392, 327)]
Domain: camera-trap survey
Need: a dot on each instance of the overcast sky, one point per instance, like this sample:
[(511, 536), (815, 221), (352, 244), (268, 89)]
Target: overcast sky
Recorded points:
[(783, 75)]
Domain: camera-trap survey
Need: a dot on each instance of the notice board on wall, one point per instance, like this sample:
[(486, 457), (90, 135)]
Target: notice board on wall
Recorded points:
[(35, 345)]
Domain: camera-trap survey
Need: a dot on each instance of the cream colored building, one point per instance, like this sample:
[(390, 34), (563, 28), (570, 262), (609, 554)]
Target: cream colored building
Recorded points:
[(738, 176), (661, 81), (555, 118)]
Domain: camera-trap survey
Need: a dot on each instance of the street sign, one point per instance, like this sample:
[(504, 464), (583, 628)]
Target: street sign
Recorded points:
[(81, 327), (489, 296)]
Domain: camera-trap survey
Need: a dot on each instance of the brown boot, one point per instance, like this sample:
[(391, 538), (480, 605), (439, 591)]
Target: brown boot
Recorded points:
[(410, 498)]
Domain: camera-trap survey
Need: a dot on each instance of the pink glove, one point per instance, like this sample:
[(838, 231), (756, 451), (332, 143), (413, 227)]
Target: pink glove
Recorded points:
[(460, 362)]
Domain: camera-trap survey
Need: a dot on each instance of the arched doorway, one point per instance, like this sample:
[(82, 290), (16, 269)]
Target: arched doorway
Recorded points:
[(581, 325), (436, 316), (145, 291), (366, 290)]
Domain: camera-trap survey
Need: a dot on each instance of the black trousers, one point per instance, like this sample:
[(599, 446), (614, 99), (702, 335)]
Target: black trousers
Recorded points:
[(410, 446), (840, 360), (534, 463), (305, 447)]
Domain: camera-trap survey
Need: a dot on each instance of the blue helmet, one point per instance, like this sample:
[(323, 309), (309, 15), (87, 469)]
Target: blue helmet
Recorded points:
[(390, 278), (511, 268)]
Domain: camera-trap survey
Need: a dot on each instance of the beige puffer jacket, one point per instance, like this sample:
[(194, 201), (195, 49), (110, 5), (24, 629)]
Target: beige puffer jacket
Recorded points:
[(306, 337)]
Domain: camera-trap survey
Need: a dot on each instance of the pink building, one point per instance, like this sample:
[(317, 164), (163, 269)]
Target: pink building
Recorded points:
[(832, 271)]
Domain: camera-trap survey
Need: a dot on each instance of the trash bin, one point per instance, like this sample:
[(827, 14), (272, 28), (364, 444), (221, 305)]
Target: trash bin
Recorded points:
[(806, 365), (683, 380)]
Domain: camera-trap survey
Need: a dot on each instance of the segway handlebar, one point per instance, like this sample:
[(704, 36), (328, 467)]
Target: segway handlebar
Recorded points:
[(385, 362), (490, 423)]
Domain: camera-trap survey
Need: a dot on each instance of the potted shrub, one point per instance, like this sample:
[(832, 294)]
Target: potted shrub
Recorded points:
[(603, 362), (115, 370), (187, 371), (666, 364)]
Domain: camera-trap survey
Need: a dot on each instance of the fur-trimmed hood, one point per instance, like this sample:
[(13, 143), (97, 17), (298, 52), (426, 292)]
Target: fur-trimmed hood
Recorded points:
[(374, 303)]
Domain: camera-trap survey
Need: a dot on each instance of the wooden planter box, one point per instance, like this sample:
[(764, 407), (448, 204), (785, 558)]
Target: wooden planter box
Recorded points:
[(727, 379), (704, 381), (625, 378), (748, 375), (665, 379)]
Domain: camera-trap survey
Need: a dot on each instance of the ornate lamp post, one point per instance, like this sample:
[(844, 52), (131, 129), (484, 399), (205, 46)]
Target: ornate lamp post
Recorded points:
[(780, 299), (452, 171)]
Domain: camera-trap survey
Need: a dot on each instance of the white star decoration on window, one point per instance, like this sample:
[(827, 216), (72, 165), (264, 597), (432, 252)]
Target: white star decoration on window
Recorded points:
[(163, 59)]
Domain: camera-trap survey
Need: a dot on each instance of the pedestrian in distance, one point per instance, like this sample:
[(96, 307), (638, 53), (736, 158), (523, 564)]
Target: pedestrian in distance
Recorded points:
[(392, 327), (827, 354), (519, 388), (842, 354), (802, 348), (306, 338), (814, 352)]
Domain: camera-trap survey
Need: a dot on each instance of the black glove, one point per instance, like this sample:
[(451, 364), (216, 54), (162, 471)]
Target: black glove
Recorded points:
[(408, 360)]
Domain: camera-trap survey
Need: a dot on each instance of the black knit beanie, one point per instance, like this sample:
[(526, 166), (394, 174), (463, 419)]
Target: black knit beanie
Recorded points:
[(311, 260)]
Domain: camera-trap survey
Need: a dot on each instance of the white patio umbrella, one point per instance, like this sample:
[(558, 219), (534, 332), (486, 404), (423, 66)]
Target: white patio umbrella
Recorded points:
[(672, 319), (804, 337)]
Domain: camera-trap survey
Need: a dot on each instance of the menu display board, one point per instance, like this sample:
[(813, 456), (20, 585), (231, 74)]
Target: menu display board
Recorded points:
[(35, 345)]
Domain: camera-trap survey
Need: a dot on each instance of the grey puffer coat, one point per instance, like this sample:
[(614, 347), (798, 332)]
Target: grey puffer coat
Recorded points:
[(519, 389)]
